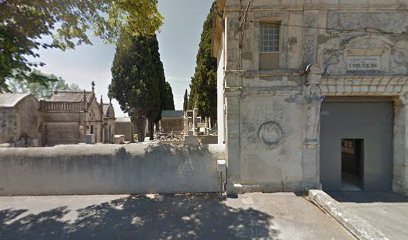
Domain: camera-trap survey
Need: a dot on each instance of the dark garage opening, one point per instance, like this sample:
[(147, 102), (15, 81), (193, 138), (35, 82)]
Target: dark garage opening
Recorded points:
[(368, 123), (352, 158)]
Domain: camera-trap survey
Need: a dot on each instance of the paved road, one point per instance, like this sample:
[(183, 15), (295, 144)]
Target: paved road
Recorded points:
[(386, 211), (187, 216)]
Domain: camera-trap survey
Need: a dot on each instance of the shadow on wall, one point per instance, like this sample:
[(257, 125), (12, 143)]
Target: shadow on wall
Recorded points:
[(202, 216), (168, 150), (110, 169), (181, 168)]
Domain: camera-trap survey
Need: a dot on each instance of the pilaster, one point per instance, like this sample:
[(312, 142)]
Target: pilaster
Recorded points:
[(400, 179), (233, 148), (311, 151)]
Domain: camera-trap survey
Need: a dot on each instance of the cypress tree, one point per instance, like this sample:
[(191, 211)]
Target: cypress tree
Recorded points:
[(138, 81), (185, 103), (203, 86)]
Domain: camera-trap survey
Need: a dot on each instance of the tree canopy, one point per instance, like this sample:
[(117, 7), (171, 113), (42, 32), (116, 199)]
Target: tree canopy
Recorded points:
[(28, 25), (138, 82), (203, 86), (185, 103), (168, 97), (42, 91)]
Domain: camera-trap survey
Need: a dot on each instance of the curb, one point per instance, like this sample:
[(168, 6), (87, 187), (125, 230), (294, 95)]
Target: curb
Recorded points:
[(360, 228)]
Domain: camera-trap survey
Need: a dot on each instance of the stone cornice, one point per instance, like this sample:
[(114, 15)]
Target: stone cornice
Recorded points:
[(338, 5), (365, 85), (232, 91), (263, 73), (245, 91), (276, 90)]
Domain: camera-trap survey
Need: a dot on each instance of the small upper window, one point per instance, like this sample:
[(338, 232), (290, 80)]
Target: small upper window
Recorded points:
[(270, 37)]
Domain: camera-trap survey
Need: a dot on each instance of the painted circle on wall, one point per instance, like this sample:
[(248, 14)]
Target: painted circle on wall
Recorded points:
[(270, 134)]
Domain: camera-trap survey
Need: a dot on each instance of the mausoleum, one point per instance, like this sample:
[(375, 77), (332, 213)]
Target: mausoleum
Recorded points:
[(19, 120), (72, 117), (313, 94)]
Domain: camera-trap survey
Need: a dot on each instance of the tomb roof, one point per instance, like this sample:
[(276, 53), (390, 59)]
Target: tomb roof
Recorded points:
[(108, 110), (70, 96), (172, 113), (11, 99)]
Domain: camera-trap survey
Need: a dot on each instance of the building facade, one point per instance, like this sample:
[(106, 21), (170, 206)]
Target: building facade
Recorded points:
[(125, 127), (109, 122), (172, 121), (70, 117), (313, 94), (19, 120)]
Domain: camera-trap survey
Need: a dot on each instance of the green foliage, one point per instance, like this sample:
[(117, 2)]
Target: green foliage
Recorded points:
[(41, 90), (185, 103), (203, 86), (168, 97), (28, 25), (138, 81), (131, 78)]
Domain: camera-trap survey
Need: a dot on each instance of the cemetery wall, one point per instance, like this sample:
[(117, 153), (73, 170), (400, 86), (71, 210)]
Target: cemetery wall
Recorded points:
[(110, 169)]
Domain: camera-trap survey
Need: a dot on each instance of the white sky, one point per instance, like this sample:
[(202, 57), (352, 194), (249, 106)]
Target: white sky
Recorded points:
[(178, 42)]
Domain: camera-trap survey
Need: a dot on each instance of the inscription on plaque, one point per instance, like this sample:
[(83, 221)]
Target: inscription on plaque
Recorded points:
[(363, 63)]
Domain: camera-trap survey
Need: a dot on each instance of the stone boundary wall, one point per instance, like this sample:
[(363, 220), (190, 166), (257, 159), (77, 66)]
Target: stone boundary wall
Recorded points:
[(110, 169)]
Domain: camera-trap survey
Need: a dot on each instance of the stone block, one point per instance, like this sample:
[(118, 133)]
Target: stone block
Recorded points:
[(340, 89), (221, 166), (373, 88), (364, 88), (332, 89), (90, 139), (356, 89), (191, 140), (389, 89), (119, 139)]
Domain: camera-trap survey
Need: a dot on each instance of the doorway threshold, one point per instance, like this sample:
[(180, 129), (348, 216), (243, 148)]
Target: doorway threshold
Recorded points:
[(350, 182)]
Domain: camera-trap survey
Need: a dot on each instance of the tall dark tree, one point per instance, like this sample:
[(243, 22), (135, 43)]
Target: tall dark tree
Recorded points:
[(156, 72), (185, 103), (138, 82), (26, 26), (168, 97), (203, 86)]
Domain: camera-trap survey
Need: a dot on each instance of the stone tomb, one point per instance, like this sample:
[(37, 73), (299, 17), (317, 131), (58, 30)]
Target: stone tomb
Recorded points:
[(281, 62)]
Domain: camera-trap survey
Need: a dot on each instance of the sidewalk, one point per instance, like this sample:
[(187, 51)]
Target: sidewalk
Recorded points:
[(368, 215), (187, 216), (386, 211)]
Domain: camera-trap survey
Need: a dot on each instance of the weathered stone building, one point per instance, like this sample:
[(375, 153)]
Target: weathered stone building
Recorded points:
[(313, 93), (125, 127), (172, 121), (19, 120), (109, 122), (69, 116)]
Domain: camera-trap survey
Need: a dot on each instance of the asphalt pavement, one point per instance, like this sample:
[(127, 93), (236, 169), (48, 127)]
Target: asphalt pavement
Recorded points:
[(385, 211), (182, 216)]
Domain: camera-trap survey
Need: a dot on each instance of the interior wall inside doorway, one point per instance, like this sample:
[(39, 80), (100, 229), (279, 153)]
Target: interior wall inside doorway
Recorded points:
[(352, 164)]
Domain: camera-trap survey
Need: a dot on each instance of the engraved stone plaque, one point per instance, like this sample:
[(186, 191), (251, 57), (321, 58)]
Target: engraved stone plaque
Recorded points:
[(270, 134), (363, 63)]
